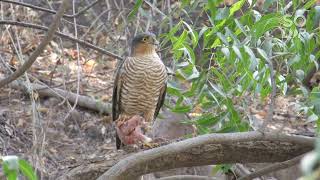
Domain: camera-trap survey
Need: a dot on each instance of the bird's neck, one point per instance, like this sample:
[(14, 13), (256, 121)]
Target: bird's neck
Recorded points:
[(143, 50)]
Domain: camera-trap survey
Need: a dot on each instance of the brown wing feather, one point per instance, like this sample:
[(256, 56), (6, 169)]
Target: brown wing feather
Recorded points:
[(116, 98), (116, 92), (160, 100)]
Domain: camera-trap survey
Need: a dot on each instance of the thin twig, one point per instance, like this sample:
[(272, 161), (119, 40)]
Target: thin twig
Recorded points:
[(153, 6), (188, 177), (40, 48), (81, 42), (272, 98), (93, 24), (273, 168), (78, 71), (51, 11)]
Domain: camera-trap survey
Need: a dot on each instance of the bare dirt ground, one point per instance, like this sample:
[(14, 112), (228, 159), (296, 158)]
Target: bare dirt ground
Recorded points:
[(49, 132), (68, 137)]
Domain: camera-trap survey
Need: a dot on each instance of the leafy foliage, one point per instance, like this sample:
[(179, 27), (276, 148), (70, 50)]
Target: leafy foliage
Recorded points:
[(226, 56), (13, 166), (221, 55)]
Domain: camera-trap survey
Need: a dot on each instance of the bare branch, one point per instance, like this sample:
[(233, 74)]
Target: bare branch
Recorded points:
[(188, 177), (273, 95), (246, 147), (78, 66), (272, 168), (49, 10), (53, 27), (81, 42), (83, 101)]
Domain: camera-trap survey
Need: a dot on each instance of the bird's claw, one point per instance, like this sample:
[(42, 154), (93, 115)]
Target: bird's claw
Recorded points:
[(149, 145)]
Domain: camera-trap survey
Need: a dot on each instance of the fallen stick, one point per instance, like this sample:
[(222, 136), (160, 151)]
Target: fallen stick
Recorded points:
[(83, 101)]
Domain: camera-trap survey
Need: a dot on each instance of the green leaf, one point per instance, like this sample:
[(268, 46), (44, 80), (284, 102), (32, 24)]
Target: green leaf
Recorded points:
[(267, 4), (226, 52), (175, 29), (203, 30), (183, 64), (300, 74), (172, 89), (195, 73), (312, 118), (135, 9), (253, 58), (10, 174), (263, 54), (241, 27), (223, 38), (194, 34), (216, 43), (207, 120), (310, 20), (27, 170), (234, 116), (12, 162), (236, 6), (191, 56), (315, 99), (266, 23), (181, 109), (222, 13), (233, 36), (309, 4), (179, 43), (185, 3), (296, 4), (237, 51), (217, 89)]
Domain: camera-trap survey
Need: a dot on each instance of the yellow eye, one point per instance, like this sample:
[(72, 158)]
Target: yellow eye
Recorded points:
[(144, 39)]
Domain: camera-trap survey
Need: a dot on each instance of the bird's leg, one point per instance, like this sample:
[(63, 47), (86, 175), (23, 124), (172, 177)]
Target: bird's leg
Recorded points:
[(149, 143), (146, 127)]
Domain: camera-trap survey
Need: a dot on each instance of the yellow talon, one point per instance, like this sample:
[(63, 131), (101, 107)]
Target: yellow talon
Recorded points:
[(149, 145)]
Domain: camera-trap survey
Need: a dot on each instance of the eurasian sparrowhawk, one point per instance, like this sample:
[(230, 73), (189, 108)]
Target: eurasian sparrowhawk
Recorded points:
[(139, 90)]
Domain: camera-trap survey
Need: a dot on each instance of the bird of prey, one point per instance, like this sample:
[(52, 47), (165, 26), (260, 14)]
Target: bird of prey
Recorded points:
[(139, 91)]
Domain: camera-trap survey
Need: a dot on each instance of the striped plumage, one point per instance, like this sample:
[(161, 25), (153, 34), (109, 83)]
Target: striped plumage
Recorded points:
[(140, 83)]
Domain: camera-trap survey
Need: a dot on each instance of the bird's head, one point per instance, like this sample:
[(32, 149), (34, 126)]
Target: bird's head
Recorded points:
[(144, 44)]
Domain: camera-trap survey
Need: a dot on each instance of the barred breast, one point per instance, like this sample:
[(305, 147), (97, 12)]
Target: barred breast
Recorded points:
[(143, 78)]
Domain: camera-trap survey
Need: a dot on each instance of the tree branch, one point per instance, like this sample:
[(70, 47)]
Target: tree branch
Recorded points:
[(53, 27), (81, 42), (272, 168), (247, 147), (49, 10)]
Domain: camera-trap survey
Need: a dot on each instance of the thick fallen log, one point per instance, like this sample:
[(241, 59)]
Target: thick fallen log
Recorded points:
[(247, 147)]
